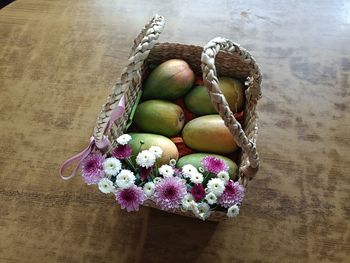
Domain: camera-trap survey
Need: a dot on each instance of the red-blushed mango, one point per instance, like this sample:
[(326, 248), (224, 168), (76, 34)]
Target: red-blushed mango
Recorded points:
[(209, 134), (198, 100), (196, 160), (170, 80), (160, 117), (143, 141)]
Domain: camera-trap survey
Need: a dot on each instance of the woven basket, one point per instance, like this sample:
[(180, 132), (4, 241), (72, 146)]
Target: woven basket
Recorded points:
[(219, 57)]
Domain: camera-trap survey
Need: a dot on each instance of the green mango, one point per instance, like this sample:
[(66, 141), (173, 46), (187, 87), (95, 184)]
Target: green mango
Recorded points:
[(209, 134), (160, 117), (198, 100), (170, 80), (196, 160), (169, 149)]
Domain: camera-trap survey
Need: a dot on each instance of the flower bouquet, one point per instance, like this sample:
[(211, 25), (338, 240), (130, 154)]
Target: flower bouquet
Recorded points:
[(170, 139), (188, 189)]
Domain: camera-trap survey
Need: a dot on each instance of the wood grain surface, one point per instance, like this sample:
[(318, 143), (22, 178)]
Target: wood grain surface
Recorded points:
[(58, 62)]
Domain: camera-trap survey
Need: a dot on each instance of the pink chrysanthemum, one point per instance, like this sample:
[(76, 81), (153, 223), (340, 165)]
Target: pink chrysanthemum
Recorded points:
[(92, 168), (213, 165), (130, 198), (177, 172), (169, 193), (233, 194), (122, 151), (198, 192), (145, 173)]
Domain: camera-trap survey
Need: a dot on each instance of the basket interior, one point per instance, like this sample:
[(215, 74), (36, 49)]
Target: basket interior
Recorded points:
[(227, 65)]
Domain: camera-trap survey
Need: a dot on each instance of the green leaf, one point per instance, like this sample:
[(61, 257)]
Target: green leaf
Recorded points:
[(133, 110)]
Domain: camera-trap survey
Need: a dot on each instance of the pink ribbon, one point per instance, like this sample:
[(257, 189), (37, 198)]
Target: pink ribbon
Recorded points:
[(116, 114), (101, 145), (78, 157)]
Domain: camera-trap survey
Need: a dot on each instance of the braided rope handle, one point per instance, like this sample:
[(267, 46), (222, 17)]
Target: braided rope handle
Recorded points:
[(219, 101), (143, 43)]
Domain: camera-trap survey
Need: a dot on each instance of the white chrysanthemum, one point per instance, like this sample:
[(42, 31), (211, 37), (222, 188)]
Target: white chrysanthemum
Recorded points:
[(172, 162), (224, 176), (125, 179), (157, 151), (106, 186), (211, 198), (201, 210), (186, 201), (216, 186), (124, 139), (196, 178), (188, 170), (194, 207), (157, 180), (112, 166), (233, 211), (148, 188), (166, 170), (146, 159)]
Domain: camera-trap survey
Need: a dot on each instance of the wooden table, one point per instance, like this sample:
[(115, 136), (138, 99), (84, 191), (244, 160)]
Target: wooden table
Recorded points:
[(58, 61)]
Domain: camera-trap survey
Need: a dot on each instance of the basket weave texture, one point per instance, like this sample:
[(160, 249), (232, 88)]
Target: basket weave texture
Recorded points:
[(220, 57)]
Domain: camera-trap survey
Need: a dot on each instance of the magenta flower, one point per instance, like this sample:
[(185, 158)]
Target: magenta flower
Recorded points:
[(145, 172), (232, 195), (122, 151), (177, 172), (213, 164), (198, 192), (169, 193), (130, 198), (92, 169)]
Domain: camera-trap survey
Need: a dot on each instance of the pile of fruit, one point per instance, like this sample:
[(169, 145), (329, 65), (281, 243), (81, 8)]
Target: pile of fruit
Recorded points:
[(177, 106), (178, 153)]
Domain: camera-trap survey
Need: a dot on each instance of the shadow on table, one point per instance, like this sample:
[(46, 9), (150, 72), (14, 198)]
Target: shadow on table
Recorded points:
[(173, 238), (4, 3)]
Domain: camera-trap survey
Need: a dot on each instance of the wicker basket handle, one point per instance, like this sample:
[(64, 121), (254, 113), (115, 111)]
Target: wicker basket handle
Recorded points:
[(219, 101), (143, 43)]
